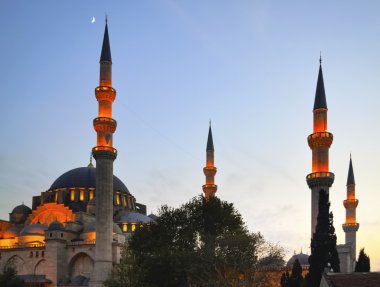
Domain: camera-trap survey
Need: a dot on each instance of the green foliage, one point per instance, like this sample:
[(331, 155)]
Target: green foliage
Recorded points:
[(323, 243), (124, 274), (202, 243), (363, 264), (9, 279)]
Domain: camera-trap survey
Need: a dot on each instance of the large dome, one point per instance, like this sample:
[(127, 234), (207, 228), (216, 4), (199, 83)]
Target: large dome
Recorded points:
[(302, 258), (84, 177)]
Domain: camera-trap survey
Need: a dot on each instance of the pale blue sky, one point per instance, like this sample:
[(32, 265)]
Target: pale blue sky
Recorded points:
[(250, 66)]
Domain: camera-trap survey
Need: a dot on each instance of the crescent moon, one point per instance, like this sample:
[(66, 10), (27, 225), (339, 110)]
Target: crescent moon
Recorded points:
[(93, 20)]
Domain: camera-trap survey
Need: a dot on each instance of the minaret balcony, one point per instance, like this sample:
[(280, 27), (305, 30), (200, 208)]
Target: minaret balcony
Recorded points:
[(320, 178), (347, 227), (320, 139), (104, 152), (104, 124), (104, 93), (350, 203)]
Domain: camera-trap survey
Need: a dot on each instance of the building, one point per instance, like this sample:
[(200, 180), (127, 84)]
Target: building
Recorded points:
[(56, 243)]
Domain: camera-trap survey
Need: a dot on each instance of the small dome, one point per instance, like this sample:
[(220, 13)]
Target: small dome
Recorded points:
[(302, 258), (134, 217), (23, 209), (56, 225), (12, 232), (34, 229)]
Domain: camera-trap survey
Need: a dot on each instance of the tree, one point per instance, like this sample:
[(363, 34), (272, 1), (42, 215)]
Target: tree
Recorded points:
[(202, 243), (296, 277), (9, 277), (125, 273), (333, 252), (363, 264), (320, 243)]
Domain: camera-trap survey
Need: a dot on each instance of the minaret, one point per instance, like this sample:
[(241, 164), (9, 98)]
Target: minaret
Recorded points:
[(209, 170), (104, 154), (319, 141), (350, 227)]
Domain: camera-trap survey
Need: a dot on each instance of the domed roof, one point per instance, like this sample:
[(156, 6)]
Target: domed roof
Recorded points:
[(302, 258), (84, 177), (22, 209), (134, 217), (56, 225), (34, 229), (11, 232)]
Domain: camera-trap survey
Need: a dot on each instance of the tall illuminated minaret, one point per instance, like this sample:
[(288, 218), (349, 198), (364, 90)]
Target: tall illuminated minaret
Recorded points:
[(209, 170), (104, 154), (319, 141), (350, 227)]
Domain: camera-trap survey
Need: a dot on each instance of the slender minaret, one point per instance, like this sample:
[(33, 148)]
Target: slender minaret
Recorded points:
[(319, 141), (209, 170), (104, 154), (350, 227)]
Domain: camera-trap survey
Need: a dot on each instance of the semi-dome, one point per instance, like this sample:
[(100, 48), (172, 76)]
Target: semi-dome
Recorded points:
[(134, 217), (302, 258), (11, 232), (56, 225), (84, 177), (23, 209), (34, 229)]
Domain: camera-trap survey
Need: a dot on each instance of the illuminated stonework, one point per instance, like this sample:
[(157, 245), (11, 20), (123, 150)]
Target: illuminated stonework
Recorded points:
[(49, 212), (210, 170), (319, 142)]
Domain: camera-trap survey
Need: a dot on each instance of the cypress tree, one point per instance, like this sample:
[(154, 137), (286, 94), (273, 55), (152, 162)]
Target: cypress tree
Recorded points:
[(333, 252), (320, 242), (323, 244), (296, 276), (363, 264)]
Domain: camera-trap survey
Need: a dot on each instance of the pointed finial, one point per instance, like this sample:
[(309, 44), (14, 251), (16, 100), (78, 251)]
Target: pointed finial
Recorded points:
[(22, 202), (210, 123), (90, 164), (210, 142), (106, 19), (350, 177), (320, 58)]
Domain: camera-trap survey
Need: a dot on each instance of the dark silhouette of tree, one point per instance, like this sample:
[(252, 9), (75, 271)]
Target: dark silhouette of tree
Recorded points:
[(202, 243), (285, 280), (320, 243), (333, 252), (296, 277), (9, 277), (363, 264)]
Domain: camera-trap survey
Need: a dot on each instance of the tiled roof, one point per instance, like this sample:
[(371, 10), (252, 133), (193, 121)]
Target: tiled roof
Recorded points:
[(371, 279)]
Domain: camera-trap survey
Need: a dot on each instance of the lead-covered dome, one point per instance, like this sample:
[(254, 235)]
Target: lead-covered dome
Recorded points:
[(302, 258), (22, 209), (84, 177)]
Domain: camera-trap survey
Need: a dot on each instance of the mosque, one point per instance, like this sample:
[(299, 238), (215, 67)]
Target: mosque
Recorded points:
[(61, 240)]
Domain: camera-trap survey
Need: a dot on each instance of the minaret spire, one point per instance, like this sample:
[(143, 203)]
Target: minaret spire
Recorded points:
[(104, 154), (350, 227), (106, 50), (319, 142), (320, 95), (210, 188)]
